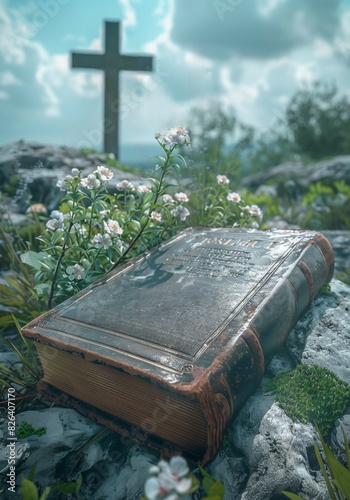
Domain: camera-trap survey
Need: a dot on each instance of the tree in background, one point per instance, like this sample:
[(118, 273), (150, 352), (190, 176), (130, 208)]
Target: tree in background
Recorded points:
[(318, 122), (315, 125), (218, 139)]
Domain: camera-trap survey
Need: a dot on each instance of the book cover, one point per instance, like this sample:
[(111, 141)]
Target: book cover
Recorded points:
[(168, 347)]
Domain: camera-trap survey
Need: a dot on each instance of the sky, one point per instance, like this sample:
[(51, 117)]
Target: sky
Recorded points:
[(252, 55)]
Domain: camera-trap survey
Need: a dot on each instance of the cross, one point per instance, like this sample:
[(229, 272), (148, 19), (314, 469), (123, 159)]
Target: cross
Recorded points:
[(111, 62)]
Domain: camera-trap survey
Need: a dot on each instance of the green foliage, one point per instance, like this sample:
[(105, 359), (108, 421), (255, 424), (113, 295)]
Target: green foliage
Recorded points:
[(326, 206), (314, 125), (10, 187), (88, 151), (269, 149), (25, 430), (29, 490), (270, 205), (318, 121), (218, 206), (17, 293), (27, 373), (211, 128), (325, 288), (344, 276), (337, 478), (311, 394), (213, 488), (93, 231)]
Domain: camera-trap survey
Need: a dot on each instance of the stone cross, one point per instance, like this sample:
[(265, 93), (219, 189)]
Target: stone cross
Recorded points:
[(111, 62)]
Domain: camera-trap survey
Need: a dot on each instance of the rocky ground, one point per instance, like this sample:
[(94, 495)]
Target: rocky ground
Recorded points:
[(264, 451)]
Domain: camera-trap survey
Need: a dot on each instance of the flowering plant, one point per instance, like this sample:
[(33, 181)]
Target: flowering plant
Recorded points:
[(171, 480), (96, 229), (225, 208)]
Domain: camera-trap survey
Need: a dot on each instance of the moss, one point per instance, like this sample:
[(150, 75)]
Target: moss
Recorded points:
[(25, 430), (311, 394), (326, 288)]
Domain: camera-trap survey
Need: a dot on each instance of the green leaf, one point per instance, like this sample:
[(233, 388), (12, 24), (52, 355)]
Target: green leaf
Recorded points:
[(324, 473), (65, 488), (341, 476), (292, 496), (32, 472), (217, 489), (45, 493), (31, 259), (347, 451), (195, 484), (207, 484), (205, 473), (29, 490), (182, 159), (161, 159), (215, 497), (78, 482)]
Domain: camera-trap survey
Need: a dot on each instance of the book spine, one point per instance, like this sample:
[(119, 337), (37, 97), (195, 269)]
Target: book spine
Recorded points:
[(232, 378), (238, 371), (275, 317)]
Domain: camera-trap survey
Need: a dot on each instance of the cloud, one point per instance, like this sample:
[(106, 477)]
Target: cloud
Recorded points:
[(253, 60), (251, 29), (129, 18)]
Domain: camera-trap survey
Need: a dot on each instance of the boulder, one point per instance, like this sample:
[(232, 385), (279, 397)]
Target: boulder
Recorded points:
[(298, 176), (39, 167)]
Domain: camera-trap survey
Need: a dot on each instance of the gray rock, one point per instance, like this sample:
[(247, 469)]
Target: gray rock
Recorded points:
[(322, 336), (336, 169), (40, 166), (66, 432), (263, 453)]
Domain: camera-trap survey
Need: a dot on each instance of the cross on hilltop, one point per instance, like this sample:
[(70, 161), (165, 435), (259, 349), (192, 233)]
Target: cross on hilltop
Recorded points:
[(111, 62)]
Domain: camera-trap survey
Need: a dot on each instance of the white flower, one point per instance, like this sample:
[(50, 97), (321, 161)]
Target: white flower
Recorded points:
[(90, 182), (181, 212), (156, 216), (181, 197), (167, 198), (104, 213), (102, 241), (222, 180), (112, 227), (255, 225), (173, 137), (234, 197), (160, 488), (61, 185), (125, 185), (75, 171), (255, 211), (56, 222), (62, 182), (170, 482), (75, 272), (143, 189), (105, 173)]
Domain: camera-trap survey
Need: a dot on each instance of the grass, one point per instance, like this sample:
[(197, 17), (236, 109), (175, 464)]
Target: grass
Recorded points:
[(311, 394)]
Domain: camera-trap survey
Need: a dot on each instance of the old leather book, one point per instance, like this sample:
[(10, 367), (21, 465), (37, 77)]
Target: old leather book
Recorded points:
[(167, 348)]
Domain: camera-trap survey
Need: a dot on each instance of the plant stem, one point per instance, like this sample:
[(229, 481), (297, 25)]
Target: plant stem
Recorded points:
[(139, 234), (54, 278)]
